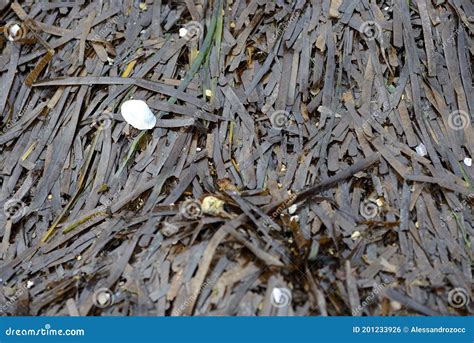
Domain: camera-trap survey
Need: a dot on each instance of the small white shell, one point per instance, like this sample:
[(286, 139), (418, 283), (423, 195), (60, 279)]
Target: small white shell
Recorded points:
[(14, 30), (138, 114)]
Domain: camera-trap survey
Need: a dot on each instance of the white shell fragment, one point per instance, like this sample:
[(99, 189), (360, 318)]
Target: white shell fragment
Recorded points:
[(468, 161), (138, 114)]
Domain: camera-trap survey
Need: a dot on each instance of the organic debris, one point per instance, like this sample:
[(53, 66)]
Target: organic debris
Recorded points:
[(291, 158)]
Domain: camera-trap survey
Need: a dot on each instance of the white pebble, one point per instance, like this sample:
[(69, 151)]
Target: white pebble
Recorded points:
[(212, 205), (138, 114), (395, 305), (103, 298), (421, 150), (468, 161), (29, 284), (292, 209), (183, 32), (355, 235)]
